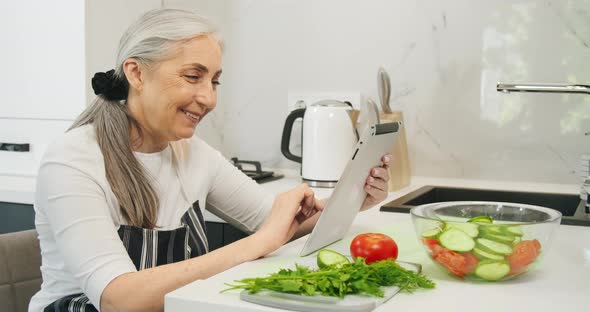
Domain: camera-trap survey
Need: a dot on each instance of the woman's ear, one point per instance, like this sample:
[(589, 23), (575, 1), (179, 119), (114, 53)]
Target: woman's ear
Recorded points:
[(133, 72)]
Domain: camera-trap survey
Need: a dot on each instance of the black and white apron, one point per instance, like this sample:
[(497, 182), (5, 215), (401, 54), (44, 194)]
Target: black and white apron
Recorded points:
[(149, 248)]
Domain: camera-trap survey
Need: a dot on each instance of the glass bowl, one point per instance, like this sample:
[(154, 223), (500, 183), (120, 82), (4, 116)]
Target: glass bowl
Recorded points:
[(485, 241)]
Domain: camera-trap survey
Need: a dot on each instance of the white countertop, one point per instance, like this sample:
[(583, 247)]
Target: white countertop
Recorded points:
[(17, 189), (292, 179), (561, 282), (21, 189)]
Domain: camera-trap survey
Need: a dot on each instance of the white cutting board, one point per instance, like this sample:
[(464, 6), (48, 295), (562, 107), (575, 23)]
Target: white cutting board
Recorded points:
[(320, 303)]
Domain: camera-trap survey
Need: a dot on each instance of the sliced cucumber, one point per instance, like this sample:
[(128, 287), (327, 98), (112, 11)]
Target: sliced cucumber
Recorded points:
[(481, 219), (484, 255), (492, 270), (505, 239), (431, 233), (514, 230), (470, 229), (456, 240), (493, 247), (516, 240), (491, 229), (329, 258)]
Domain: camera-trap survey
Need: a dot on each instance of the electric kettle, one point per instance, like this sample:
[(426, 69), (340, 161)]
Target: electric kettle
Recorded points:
[(328, 137)]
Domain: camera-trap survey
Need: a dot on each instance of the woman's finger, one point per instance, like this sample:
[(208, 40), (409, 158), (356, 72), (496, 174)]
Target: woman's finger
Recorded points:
[(306, 203), (379, 184), (380, 173), (376, 195), (386, 160), (300, 217)]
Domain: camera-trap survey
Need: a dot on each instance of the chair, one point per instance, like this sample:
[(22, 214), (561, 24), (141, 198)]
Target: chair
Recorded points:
[(20, 273)]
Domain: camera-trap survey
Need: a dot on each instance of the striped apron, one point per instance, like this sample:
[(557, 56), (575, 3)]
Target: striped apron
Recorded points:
[(149, 248)]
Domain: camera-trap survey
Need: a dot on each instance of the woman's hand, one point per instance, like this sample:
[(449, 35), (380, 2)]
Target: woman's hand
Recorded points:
[(289, 211), (376, 185)]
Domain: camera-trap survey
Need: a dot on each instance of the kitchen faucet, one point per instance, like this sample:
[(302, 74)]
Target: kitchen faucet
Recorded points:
[(543, 87), (583, 210)]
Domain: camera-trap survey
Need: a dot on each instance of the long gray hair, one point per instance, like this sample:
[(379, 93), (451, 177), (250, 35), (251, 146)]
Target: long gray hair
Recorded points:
[(148, 40)]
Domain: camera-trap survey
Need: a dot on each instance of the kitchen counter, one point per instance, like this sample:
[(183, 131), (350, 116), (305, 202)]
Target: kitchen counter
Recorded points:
[(292, 179), (561, 282)]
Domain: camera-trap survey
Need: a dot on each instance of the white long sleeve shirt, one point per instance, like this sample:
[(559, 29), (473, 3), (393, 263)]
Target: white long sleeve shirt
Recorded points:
[(77, 214)]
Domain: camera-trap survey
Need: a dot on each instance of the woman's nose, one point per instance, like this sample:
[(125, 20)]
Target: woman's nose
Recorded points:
[(207, 95)]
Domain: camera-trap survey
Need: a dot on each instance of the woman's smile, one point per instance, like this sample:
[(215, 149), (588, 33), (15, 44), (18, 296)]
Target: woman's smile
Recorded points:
[(191, 116)]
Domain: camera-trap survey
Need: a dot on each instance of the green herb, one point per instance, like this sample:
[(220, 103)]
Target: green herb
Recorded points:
[(350, 278)]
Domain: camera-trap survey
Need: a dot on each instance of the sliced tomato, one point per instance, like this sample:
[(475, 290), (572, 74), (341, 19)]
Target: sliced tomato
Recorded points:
[(452, 261), (432, 244), (537, 245), (471, 262), (523, 254)]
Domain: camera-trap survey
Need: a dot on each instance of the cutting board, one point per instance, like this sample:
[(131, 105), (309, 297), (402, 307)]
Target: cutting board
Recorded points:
[(399, 169), (319, 303)]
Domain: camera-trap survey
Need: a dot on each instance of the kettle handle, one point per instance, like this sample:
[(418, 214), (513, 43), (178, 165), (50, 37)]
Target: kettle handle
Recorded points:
[(298, 113)]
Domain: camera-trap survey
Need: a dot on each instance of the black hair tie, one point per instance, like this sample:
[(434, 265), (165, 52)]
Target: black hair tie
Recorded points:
[(109, 86)]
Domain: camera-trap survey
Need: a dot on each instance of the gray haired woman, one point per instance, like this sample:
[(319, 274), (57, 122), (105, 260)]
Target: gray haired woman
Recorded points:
[(124, 224)]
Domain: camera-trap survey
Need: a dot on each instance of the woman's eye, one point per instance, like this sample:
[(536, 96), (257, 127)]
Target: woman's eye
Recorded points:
[(216, 82), (192, 77)]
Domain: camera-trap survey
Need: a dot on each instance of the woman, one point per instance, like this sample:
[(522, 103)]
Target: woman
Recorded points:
[(124, 225)]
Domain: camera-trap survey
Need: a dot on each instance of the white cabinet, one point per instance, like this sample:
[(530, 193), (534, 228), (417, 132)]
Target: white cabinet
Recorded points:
[(42, 59), (49, 52)]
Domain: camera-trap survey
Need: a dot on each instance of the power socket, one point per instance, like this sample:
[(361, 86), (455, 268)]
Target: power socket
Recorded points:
[(300, 99)]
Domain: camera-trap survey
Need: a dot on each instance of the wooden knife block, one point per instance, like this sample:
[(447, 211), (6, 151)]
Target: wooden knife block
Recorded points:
[(399, 168)]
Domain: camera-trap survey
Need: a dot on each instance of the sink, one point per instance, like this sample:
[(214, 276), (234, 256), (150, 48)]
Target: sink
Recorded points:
[(564, 203)]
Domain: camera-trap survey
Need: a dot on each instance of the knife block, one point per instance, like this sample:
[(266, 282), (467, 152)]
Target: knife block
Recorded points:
[(399, 167)]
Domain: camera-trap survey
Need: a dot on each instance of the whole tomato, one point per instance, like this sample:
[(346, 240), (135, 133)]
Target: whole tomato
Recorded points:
[(373, 247)]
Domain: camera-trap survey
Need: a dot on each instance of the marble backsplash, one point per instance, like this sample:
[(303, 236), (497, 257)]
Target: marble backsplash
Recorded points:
[(444, 59)]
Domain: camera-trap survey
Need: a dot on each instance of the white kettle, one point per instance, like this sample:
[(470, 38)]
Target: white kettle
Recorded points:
[(328, 138)]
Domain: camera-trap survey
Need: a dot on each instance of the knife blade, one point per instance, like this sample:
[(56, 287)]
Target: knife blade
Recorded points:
[(373, 111), (384, 84)]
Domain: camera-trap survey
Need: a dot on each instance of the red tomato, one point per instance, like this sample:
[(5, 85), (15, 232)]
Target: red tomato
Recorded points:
[(456, 263), (452, 261), (430, 242), (433, 245), (470, 263), (523, 254), (373, 247)]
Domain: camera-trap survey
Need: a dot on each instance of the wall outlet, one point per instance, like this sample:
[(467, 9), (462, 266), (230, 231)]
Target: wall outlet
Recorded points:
[(300, 99)]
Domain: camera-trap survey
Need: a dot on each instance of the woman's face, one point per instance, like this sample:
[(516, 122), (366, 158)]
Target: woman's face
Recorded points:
[(177, 93)]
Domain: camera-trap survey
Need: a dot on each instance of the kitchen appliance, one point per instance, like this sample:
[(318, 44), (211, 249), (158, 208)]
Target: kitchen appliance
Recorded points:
[(257, 174), (327, 139)]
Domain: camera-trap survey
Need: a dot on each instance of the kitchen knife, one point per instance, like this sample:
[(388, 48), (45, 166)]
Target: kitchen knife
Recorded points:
[(384, 84), (373, 111)]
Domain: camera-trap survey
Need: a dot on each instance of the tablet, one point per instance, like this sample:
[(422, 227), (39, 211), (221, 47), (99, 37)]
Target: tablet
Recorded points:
[(349, 193)]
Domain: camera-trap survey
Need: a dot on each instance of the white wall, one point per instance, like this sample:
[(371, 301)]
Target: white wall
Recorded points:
[(444, 58), (106, 20), (212, 128)]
